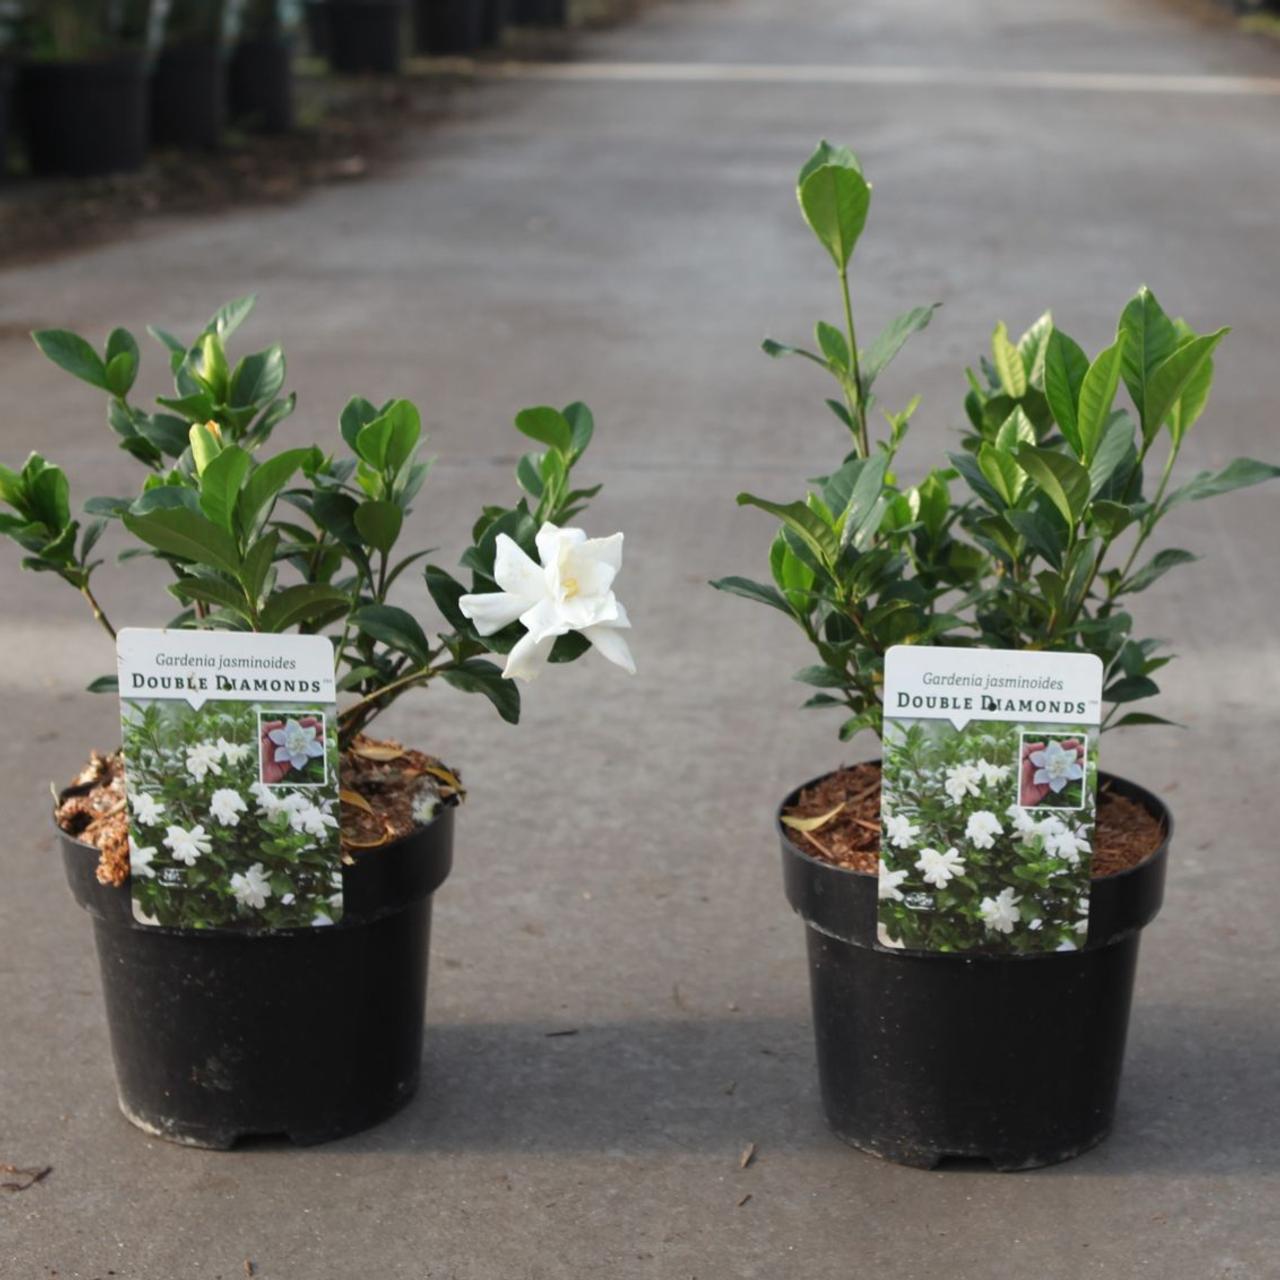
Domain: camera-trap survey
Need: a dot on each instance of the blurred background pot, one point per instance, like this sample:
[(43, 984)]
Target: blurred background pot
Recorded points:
[(494, 18), (260, 83), (365, 36), (189, 95), (85, 117), (540, 13), (449, 26)]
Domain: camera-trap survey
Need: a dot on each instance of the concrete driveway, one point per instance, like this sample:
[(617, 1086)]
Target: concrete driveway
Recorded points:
[(624, 231)]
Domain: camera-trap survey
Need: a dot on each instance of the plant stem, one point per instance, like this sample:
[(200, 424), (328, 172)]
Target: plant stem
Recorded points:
[(102, 618), (857, 409)]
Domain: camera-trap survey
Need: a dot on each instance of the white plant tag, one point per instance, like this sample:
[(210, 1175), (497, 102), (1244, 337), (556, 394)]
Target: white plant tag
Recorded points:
[(990, 780), (231, 764)]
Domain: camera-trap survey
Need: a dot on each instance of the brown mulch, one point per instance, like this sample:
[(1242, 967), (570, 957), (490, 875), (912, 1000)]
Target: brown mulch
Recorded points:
[(1125, 834), (347, 129), (380, 783)]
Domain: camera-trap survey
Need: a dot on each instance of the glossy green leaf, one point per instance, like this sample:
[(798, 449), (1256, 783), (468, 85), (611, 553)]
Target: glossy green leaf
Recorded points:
[(1097, 394), (749, 590), (809, 527), (395, 628), (188, 536), (582, 427), (1238, 474), (1002, 471), (834, 198), (379, 524), (71, 352), (1157, 567), (220, 483), (1173, 376), (547, 426), (302, 603), (1062, 479), (1149, 339), (1008, 363), (478, 676), (257, 378), (1065, 367), (881, 352)]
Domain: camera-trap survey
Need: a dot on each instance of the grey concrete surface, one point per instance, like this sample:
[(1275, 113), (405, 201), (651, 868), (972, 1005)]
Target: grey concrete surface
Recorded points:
[(629, 244)]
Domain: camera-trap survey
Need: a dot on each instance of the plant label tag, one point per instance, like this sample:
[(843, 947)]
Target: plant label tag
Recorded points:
[(231, 768), (990, 780)]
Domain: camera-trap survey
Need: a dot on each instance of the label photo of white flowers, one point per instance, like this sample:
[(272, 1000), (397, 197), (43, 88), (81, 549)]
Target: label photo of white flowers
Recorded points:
[(233, 815), (987, 836)]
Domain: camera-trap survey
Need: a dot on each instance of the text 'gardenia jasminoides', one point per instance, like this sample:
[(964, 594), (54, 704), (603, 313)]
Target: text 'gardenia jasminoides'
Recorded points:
[(571, 590)]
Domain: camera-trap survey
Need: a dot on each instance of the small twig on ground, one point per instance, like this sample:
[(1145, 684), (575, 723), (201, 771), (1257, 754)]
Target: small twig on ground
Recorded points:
[(744, 1199), (747, 1156), (23, 1178)]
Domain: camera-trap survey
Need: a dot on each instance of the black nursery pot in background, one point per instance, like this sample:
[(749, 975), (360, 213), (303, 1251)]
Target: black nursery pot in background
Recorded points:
[(1011, 1059), (365, 36), (539, 13), (6, 89), (494, 15), (80, 119), (449, 26), (260, 84), (189, 95), (311, 1034)]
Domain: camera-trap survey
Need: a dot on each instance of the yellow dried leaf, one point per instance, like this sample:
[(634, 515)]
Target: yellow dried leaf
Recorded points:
[(356, 800), (449, 779), (377, 750), (365, 844), (812, 824)]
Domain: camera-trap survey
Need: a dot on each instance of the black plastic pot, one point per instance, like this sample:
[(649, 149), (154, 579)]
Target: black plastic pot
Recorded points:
[(540, 13), (310, 1034), (189, 95), (316, 18), (1011, 1059), (6, 89), (260, 84), (84, 118), (494, 15), (449, 26), (364, 36)]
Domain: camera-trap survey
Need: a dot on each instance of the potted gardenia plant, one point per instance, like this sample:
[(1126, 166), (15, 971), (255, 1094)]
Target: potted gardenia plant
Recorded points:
[(189, 79), (1002, 1037), (244, 1004), (82, 86), (260, 79)]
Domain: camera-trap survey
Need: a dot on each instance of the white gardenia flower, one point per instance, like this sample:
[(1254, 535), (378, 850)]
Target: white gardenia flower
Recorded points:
[(226, 806), (1056, 766), (1065, 843), (889, 882), (982, 829), (571, 590), (938, 867), (296, 743), (992, 774), (1000, 913), (252, 888), (187, 846), (311, 818), (234, 752), (146, 809), (204, 758), (1023, 823), (962, 780), (140, 857), (900, 831)]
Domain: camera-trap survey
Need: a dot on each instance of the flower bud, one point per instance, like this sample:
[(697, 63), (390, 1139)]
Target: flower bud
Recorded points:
[(206, 444)]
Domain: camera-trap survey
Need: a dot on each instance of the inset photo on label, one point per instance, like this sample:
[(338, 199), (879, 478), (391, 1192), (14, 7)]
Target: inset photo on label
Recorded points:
[(291, 748)]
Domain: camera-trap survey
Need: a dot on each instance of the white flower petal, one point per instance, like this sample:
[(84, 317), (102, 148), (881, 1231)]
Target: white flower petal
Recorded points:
[(608, 643), (492, 611), (526, 659), (515, 572)]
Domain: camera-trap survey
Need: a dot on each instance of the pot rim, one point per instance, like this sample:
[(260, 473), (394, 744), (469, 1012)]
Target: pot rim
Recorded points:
[(1148, 799)]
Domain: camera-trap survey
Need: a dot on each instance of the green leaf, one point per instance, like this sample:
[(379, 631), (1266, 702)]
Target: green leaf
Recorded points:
[(1063, 480), (807, 525), (1157, 567), (227, 319), (832, 344), (1008, 363), (104, 684), (49, 494), (187, 536), (1110, 519), (749, 590), (395, 628), (582, 427), (257, 378), (220, 483), (446, 591), (1150, 338), (387, 442), (1130, 689), (824, 153), (1065, 367), (1043, 536), (1097, 393), (887, 345), (834, 198), (71, 352), (302, 603), (861, 517), (822, 677), (1143, 717), (547, 426), (1173, 376), (478, 676), (1192, 401), (258, 560), (122, 360), (212, 591), (1032, 347), (1016, 429), (379, 524), (1114, 454), (265, 482), (358, 413), (779, 349), (1006, 477), (1238, 474)]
